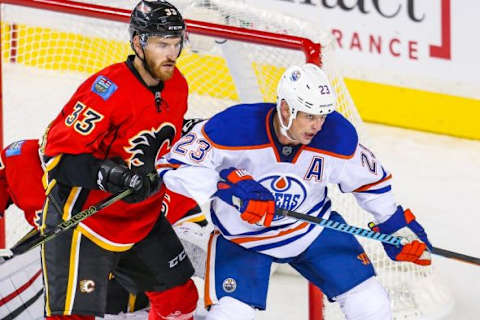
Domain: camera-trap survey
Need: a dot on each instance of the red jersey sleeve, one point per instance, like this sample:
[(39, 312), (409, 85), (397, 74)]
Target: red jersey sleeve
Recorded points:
[(85, 120), (23, 177), (176, 206)]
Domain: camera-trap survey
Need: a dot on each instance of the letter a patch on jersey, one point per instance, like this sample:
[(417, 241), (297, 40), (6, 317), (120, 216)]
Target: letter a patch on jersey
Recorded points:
[(104, 87)]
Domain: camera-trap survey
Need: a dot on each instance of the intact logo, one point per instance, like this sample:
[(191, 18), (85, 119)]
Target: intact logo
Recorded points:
[(104, 87), (288, 191), (176, 260), (87, 286), (229, 285), (148, 145)]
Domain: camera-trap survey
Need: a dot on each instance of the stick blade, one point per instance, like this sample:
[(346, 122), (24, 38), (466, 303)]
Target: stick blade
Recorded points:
[(6, 253), (455, 255)]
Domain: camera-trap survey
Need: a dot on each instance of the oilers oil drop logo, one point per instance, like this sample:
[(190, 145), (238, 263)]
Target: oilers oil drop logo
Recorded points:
[(288, 191)]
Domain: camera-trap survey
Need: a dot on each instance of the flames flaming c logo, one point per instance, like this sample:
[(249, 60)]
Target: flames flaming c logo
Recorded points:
[(148, 145)]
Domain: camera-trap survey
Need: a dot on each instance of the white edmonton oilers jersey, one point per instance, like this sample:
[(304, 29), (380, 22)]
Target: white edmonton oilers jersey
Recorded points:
[(242, 137)]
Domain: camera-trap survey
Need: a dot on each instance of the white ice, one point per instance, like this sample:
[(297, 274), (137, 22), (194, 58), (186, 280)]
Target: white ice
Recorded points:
[(438, 177)]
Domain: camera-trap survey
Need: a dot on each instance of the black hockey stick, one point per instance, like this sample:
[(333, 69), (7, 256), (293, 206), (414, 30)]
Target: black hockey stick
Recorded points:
[(455, 255), (370, 234), (35, 238)]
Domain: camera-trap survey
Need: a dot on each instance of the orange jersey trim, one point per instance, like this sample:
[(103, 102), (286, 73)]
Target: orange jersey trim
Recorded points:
[(368, 186), (269, 135), (333, 154), (219, 146), (207, 299), (168, 165), (302, 147), (281, 233)]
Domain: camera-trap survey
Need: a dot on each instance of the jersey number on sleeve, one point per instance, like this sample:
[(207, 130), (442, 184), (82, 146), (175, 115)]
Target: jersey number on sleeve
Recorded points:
[(87, 124), (368, 159), (369, 163), (199, 153)]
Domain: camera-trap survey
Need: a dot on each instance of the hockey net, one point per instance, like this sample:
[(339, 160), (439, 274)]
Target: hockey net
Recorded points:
[(49, 47)]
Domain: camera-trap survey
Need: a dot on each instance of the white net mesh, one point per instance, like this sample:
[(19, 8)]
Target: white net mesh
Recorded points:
[(46, 54)]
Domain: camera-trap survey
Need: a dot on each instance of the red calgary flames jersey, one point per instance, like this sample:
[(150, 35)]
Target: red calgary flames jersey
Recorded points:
[(178, 208), (21, 178), (114, 115), (20, 183)]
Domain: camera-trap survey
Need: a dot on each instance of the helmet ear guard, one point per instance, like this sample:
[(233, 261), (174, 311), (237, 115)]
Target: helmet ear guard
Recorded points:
[(304, 88)]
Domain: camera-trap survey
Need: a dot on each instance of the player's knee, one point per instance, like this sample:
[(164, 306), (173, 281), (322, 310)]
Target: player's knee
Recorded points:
[(229, 308), (177, 302), (367, 301)]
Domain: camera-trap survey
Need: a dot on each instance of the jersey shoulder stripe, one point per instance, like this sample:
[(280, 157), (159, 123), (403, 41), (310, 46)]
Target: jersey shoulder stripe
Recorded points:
[(239, 127), (338, 137)]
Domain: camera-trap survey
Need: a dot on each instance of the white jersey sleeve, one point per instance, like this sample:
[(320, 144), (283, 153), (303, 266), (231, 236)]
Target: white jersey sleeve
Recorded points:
[(365, 177), (195, 175)]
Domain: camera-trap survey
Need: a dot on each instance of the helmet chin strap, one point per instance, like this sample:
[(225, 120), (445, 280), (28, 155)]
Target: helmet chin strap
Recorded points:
[(145, 64), (143, 42), (284, 129)]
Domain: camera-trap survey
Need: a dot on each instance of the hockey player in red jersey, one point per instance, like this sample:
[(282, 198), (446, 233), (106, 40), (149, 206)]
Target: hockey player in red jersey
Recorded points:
[(21, 185), (105, 140), (20, 179)]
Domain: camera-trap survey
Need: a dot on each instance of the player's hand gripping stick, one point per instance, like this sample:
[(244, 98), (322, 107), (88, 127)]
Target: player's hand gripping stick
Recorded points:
[(255, 202)]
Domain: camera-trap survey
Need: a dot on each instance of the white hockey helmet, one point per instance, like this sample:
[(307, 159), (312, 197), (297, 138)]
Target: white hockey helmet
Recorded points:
[(307, 89)]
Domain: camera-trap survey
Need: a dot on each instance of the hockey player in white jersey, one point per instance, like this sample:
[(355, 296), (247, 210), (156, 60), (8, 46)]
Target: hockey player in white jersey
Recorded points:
[(252, 158)]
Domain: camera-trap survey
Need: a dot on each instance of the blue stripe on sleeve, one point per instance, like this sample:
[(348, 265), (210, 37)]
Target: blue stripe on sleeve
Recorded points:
[(377, 191)]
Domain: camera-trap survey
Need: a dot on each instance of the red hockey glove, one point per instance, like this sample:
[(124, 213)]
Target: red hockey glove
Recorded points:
[(254, 201), (403, 223)]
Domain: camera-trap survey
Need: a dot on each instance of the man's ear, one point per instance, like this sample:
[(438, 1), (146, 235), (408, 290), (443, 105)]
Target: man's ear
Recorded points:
[(284, 111), (137, 46)]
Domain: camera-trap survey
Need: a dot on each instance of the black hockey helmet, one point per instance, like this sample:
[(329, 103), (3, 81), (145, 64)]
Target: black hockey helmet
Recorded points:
[(156, 18)]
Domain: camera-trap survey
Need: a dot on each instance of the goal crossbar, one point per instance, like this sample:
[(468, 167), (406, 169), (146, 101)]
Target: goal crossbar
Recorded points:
[(311, 50)]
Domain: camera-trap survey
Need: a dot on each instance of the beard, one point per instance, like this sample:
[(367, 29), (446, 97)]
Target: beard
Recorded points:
[(158, 70)]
